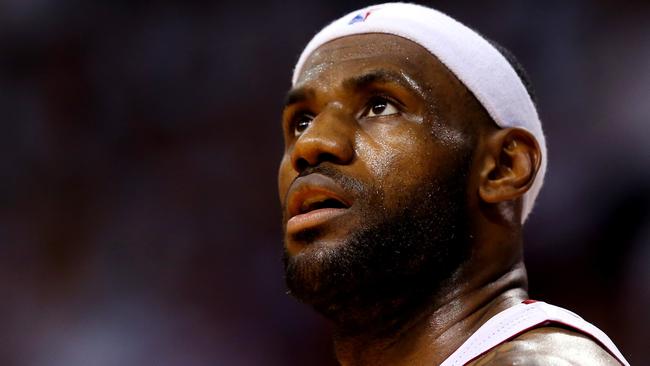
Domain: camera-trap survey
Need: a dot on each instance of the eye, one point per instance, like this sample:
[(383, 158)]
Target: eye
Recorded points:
[(380, 106), (301, 122)]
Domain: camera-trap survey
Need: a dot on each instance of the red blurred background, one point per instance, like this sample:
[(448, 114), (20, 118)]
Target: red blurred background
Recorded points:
[(140, 223)]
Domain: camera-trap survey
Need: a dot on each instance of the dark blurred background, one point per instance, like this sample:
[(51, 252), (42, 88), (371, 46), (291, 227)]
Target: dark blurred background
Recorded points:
[(139, 223)]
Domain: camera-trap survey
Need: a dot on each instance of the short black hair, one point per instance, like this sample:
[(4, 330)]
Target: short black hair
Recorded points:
[(519, 69)]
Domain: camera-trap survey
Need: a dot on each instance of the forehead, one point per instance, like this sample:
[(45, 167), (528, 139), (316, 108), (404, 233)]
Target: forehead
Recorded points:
[(369, 50), (332, 63), (352, 55)]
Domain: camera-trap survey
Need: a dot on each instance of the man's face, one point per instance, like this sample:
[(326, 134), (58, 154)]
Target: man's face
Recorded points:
[(373, 181)]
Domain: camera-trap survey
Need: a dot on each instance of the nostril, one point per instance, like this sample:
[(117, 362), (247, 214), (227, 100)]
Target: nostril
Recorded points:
[(325, 156), (301, 164)]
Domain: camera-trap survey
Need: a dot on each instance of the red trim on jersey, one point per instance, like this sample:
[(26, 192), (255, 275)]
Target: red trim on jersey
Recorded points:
[(546, 324)]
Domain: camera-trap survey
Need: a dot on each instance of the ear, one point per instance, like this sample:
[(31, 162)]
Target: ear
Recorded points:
[(510, 164)]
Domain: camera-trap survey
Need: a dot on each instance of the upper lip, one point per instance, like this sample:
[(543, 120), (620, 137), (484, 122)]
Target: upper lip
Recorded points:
[(315, 191)]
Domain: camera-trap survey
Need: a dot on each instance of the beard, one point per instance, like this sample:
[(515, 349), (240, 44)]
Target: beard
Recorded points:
[(395, 264)]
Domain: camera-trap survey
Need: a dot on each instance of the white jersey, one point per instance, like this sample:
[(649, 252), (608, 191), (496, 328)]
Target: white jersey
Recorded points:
[(518, 319)]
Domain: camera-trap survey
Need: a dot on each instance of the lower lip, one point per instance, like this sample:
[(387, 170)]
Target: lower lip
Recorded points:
[(312, 219)]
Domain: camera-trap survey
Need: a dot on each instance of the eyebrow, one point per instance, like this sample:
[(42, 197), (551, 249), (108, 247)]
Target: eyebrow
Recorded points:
[(381, 76), (360, 82), (298, 95)]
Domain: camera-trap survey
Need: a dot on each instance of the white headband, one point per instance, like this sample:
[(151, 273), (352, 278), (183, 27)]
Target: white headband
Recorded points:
[(474, 61)]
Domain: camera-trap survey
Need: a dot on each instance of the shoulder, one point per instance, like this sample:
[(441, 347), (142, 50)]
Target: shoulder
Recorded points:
[(548, 346)]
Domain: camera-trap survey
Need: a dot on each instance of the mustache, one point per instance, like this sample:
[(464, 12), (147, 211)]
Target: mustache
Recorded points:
[(348, 183)]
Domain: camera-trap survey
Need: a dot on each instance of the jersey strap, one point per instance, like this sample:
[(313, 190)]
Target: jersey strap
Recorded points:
[(520, 318)]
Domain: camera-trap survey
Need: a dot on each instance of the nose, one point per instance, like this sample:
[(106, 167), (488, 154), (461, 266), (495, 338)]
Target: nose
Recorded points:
[(329, 138)]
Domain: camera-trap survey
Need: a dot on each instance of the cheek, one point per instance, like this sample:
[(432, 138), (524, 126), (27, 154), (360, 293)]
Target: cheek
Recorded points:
[(285, 176), (397, 156)]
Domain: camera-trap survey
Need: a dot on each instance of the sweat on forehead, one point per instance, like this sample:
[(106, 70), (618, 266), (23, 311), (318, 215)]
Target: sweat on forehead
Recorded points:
[(401, 61), (474, 61), (368, 49)]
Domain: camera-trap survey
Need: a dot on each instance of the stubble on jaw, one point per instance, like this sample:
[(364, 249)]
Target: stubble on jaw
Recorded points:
[(389, 269)]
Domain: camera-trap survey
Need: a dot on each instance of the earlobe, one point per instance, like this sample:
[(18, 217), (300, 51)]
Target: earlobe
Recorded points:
[(510, 164)]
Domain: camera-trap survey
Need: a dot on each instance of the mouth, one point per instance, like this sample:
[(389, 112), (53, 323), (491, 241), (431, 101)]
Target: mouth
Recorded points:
[(313, 202), (320, 201)]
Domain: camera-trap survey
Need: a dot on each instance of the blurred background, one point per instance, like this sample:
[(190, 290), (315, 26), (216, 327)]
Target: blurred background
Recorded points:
[(139, 219)]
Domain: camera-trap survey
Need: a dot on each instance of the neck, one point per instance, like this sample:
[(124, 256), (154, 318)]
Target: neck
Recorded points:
[(434, 333)]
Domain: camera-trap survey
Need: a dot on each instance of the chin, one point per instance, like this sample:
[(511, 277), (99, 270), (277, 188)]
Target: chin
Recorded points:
[(378, 264), (311, 254), (379, 273)]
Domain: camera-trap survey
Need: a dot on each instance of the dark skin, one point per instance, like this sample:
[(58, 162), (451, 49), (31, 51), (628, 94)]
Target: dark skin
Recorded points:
[(384, 111)]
